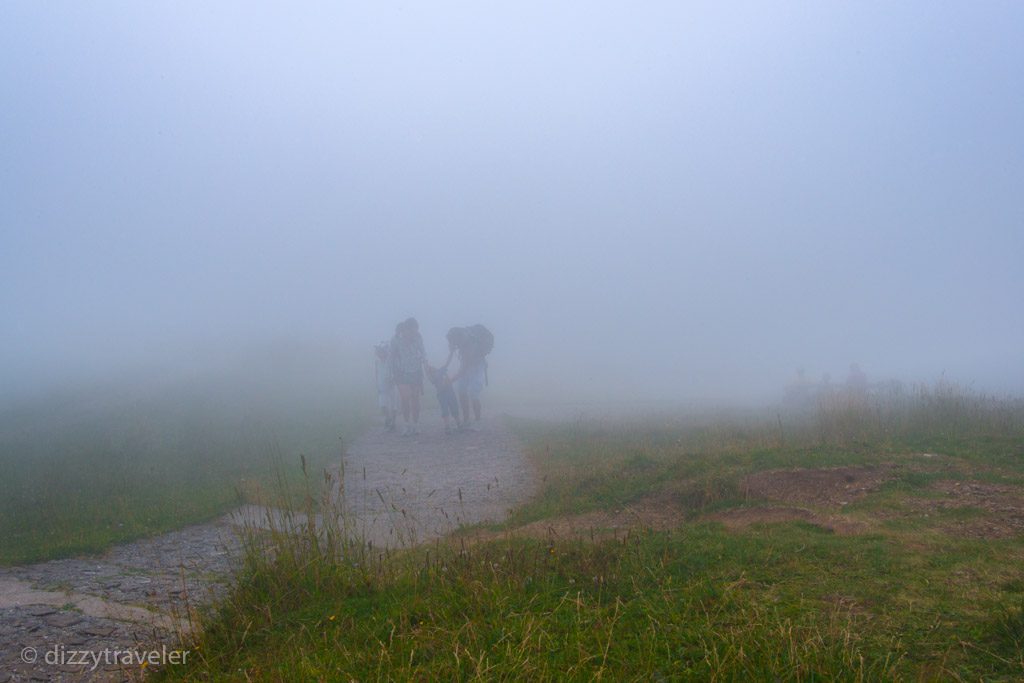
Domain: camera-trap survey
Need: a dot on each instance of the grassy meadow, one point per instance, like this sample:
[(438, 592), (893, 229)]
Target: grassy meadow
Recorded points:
[(901, 582), (81, 471)]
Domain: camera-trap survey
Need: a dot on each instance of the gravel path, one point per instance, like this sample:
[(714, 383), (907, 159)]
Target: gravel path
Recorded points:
[(410, 489), (402, 490)]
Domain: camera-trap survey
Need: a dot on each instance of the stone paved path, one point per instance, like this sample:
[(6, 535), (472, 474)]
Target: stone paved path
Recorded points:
[(132, 597), (402, 490), (408, 490)]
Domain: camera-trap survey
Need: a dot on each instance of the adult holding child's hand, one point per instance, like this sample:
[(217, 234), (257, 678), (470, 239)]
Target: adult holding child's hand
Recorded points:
[(473, 344)]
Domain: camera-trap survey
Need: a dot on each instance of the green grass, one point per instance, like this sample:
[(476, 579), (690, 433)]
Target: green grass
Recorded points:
[(786, 601), (81, 473)]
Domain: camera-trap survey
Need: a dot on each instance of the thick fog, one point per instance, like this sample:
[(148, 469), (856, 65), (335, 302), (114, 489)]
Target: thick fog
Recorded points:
[(641, 200)]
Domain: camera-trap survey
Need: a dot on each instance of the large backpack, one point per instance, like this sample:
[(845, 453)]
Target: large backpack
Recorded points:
[(481, 337)]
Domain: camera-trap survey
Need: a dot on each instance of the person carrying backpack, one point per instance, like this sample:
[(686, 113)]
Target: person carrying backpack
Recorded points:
[(473, 344)]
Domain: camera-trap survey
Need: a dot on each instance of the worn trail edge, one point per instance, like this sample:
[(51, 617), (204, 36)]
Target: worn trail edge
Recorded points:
[(137, 596)]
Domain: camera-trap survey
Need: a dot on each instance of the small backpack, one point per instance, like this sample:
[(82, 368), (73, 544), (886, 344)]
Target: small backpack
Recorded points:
[(481, 337)]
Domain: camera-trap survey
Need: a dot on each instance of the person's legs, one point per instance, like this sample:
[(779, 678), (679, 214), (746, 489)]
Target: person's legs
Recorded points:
[(447, 413), (464, 402), (453, 404), (471, 386), (405, 391), (449, 409)]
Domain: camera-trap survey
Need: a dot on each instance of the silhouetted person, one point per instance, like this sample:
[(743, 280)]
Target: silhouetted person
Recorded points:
[(473, 344), (407, 358)]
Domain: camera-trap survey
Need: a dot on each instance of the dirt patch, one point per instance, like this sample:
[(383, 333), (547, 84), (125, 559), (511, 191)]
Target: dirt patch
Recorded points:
[(999, 507), (815, 495), (656, 513), (741, 518), (661, 513), (826, 487), (819, 488)]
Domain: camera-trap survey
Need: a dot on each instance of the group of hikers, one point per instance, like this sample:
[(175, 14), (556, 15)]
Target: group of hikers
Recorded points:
[(400, 366)]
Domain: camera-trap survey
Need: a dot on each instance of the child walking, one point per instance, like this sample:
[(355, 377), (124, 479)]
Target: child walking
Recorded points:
[(446, 397)]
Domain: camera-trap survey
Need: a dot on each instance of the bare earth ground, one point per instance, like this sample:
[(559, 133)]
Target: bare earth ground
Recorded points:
[(819, 496), (401, 490), (822, 496)]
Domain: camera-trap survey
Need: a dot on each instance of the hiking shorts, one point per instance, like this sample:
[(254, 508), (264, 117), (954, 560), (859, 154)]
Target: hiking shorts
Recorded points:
[(414, 378), (472, 381)]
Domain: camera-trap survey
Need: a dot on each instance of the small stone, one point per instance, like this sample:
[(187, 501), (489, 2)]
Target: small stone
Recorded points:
[(97, 630), (64, 619)]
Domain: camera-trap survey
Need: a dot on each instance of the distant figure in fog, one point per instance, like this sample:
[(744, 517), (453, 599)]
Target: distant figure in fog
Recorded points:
[(473, 344), (385, 385), (407, 358), (446, 397), (856, 381)]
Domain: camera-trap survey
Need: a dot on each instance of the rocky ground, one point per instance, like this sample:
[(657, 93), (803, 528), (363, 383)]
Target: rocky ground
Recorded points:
[(91, 618)]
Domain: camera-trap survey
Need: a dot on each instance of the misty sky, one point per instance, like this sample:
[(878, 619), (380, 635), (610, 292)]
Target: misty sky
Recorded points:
[(643, 199)]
